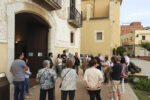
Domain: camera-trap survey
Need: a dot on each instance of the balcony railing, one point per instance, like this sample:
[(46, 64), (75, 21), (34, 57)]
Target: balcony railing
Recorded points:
[(75, 18), (125, 43), (55, 4)]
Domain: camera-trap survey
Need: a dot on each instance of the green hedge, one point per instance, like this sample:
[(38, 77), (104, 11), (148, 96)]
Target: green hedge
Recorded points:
[(143, 84)]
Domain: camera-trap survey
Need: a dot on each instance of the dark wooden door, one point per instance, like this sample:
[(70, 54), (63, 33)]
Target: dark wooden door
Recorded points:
[(37, 42)]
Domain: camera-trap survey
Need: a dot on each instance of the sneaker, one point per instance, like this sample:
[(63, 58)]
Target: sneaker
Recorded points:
[(26, 97), (29, 93)]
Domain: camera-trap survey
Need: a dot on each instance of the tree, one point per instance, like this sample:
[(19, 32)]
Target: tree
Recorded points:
[(121, 50), (146, 45)]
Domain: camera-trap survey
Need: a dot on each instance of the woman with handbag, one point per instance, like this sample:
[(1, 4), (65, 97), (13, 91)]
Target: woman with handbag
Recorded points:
[(68, 85)]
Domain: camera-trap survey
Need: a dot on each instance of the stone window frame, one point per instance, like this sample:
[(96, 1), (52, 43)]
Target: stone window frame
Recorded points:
[(102, 31), (143, 37)]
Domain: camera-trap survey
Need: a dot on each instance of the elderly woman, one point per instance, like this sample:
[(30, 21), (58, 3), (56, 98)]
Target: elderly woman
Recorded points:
[(46, 77), (93, 78), (68, 81)]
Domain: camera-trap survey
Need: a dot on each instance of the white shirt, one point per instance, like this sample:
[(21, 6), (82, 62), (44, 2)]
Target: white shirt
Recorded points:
[(127, 60), (93, 76), (69, 81), (59, 61), (101, 58), (106, 63), (28, 73)]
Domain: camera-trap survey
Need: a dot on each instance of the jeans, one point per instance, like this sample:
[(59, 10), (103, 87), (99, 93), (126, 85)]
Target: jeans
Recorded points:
[(18, 90), (64, 95), (50, 94), (126, 72), (59, 67), (26, 88), (94, 94)]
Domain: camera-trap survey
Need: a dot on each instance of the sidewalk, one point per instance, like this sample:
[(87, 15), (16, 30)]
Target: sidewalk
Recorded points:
[(82, 94)]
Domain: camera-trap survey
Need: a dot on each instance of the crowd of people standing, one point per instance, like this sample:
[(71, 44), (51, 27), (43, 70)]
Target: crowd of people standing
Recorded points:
[(96, 70)]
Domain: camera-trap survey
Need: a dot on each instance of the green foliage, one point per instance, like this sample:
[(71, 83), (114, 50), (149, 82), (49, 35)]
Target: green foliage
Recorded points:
[(143, 84), (121, 50), (146, 45), (142, 95)]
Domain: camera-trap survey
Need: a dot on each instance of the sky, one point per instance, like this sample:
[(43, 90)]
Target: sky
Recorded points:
[(135, 10)]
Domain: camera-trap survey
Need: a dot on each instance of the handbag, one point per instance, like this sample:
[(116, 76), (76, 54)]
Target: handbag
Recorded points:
[(63, 79)]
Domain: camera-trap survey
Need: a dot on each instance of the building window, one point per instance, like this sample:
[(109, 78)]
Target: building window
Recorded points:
[(99, 36), (143, 37), (72, 37), (131, 39)]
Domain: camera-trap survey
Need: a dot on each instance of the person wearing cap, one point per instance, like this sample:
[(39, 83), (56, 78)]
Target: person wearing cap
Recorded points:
[(116, 77)]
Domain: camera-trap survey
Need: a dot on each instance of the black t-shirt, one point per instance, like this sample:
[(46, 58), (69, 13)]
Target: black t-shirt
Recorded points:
[(117, 69), (77, 61), (99, 66), (64, 56)]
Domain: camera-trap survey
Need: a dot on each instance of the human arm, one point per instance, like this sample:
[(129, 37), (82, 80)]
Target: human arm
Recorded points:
[(28, 71), (38, 77), (11, 70)]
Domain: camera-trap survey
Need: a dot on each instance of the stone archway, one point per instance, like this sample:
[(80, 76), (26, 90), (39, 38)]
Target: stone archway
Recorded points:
[(20, 7)]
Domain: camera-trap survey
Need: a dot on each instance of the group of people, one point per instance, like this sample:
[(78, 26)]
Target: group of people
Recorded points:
[(97, 70), (114, 70)]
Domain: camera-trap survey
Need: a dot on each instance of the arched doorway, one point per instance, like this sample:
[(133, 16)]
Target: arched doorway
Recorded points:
[(31, 37)]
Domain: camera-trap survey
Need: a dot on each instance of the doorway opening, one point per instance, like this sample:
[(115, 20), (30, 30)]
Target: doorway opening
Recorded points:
[(31, 38)]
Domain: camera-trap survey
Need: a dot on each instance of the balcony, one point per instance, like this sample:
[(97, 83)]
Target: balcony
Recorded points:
[(125, 43), (75, 18), (50, 4)]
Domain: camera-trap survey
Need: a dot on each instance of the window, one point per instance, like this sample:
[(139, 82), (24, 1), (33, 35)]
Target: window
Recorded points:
[(99, 36), (72, 37), (131, 39), (143, 37)]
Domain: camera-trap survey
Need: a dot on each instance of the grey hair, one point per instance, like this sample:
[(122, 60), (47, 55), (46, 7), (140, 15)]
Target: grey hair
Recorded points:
[(118, 58), (45, 63)]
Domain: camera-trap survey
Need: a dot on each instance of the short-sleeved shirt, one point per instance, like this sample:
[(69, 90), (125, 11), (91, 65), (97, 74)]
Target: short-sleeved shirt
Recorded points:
[(117, 69), (46, 78), (18, 70), (93, 76), (64, 56)]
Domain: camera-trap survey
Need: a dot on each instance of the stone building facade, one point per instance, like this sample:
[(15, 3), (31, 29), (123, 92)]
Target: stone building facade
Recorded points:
[(62, 21), (100, 32), (132, 42)]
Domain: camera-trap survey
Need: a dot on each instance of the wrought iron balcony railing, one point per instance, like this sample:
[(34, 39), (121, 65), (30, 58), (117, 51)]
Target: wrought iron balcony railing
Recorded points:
[(75, 17)]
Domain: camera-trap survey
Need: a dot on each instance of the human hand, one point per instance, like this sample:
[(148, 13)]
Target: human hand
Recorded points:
[(94, 88)]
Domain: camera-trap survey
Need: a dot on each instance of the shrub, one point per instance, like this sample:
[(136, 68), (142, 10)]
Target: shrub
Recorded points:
[(121, 50), (146, 45), (143, 84)]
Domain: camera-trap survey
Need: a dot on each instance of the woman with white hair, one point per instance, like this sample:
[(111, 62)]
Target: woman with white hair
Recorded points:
[(46, 77)]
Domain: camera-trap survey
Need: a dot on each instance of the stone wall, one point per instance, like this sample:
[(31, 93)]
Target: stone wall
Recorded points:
[(59, 33)]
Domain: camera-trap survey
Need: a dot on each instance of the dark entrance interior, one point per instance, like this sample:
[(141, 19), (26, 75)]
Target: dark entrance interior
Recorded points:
[(31, 37)]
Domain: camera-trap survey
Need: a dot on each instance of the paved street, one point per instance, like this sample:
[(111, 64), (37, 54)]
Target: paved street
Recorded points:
[(145, 65), (81, 93)]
